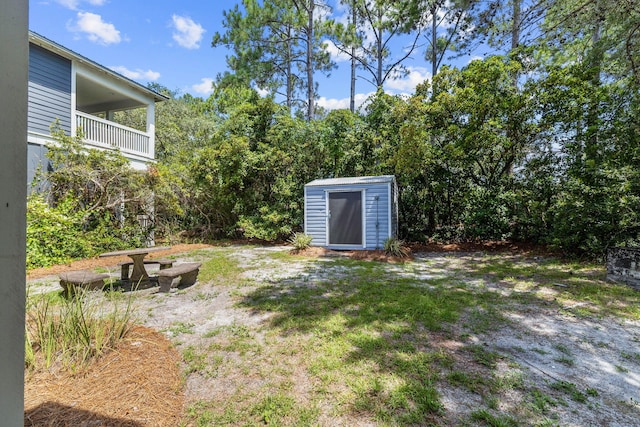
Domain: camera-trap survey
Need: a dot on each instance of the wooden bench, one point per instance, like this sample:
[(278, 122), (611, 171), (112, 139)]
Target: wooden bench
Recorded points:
[(82, 278), (188, 273), (124, 266)]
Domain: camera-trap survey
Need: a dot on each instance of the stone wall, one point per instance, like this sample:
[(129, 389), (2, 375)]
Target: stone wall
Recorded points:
[(623, 265)]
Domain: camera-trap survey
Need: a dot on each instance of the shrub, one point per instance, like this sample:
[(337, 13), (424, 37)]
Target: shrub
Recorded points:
[(396, 247), (54, 234), (89, 203), (487, 215), (300, 241)]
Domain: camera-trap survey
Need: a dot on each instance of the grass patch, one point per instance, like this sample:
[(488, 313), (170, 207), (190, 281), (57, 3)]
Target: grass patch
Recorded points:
[(368, 333), (220, 268), (178, 328), (273, 410), (200, 361), (486, 417), (566, 361), (484, 356), (571, 390), (472, 382), (541, 402), (585, 283)]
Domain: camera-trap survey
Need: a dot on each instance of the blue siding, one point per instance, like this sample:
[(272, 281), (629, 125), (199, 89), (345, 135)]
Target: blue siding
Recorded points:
[(49, 90), (377, 215), (394, 209), (316, 215), (36, 159), (380, 201)]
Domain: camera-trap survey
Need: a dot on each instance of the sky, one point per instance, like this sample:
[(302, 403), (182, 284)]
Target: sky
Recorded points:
[(169, 42)]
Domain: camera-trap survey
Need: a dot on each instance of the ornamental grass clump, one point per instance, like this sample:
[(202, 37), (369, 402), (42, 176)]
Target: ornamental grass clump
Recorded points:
[(396, 247), (68, 332), (300, 241)]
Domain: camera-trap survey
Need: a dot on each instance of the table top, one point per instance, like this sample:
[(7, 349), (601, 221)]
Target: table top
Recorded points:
[(138, 251)]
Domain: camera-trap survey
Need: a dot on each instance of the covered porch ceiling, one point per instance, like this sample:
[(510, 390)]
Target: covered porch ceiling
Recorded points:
[(92, 97)]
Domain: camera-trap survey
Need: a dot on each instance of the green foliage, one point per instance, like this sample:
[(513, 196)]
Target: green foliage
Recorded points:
[(87, 204), (493, 420), (72, 331), (53, 233), (487, 215), (300, 241)]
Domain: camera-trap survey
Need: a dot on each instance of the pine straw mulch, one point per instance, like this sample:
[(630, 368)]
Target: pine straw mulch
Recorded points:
[(382, 256), (137, 384), (369, 255)]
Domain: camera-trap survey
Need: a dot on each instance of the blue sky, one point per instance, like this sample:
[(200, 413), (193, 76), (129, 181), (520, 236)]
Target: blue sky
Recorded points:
[(169, 42)]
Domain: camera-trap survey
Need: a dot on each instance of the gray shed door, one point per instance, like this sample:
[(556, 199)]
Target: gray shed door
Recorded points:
[(345, 218)]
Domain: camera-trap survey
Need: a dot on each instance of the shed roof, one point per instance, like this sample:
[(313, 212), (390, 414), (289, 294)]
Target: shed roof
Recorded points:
[(360, 180)]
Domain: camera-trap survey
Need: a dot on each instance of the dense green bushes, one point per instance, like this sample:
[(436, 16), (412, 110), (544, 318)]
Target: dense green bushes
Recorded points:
[(476, 158), (89, 203), (553, 161)]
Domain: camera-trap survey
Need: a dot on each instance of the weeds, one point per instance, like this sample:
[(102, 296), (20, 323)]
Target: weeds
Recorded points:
[(178, 328), (571, 390), (493, 420)]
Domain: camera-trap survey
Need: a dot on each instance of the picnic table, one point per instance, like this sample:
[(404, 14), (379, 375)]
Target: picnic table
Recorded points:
[(139, 273)]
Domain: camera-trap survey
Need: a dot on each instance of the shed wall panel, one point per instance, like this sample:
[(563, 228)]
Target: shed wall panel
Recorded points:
[(377, 215), (316, 215), (49, 91)]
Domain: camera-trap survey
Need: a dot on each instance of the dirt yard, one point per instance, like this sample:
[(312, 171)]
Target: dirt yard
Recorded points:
[(553, 357)]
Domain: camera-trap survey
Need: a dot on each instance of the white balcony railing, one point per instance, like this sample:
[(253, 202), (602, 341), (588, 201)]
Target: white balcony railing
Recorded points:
[(108, 134)]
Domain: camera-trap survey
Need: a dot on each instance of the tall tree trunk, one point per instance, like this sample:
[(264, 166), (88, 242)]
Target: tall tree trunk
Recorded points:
[(352, 100), (379, 53), (289, 72), (310, 36), (434, 41), (515, 28), (595, 58), (515, 42)]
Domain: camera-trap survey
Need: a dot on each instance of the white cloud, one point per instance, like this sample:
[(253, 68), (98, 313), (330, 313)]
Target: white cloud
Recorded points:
[(262, 92), (408, 83), (336, 54), (73, 4), (475, 58), (205, 87), (188, 34), (137, 74), (343, 103), (96, 29)]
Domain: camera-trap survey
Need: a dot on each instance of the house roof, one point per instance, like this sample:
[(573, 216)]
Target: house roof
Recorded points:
[(360, 180), (52, 46)]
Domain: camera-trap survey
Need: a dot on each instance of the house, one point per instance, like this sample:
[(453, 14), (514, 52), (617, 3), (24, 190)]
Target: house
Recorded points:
[(351, 213), (82, 94)]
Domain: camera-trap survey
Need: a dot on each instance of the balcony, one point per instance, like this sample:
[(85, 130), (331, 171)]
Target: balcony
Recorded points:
[(106, 134)]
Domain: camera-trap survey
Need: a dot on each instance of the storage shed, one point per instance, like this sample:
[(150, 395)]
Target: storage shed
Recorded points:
[(351, 213)]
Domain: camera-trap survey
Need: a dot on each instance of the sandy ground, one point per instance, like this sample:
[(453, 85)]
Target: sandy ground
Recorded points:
[(604, 351)]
